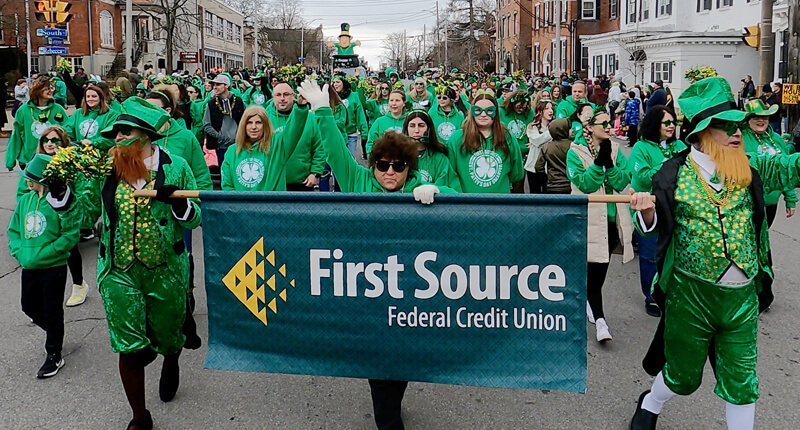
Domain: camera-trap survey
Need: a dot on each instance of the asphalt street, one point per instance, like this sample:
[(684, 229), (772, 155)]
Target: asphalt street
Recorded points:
[(87, 393)]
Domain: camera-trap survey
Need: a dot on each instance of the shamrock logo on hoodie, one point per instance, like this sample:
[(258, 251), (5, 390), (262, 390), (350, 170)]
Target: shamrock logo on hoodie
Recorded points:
[(250, 172), (485, 168)]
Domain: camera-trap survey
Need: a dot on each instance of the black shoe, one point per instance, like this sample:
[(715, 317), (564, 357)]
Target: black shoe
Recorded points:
[(145, 424), (642, 419), (52, 363), (652, 309), (193, 342), (170, 379)]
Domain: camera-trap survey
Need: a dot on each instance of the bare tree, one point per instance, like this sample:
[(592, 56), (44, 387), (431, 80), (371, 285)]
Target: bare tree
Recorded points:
[(284, 14), (393, 49), (175, 21)]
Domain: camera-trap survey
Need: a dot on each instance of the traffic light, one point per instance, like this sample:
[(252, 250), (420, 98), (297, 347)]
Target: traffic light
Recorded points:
[(53, 12), (752, 36), (62, 15), (44, 11)]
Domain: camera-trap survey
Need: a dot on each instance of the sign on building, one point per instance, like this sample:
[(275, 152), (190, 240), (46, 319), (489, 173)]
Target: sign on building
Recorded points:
[(791, 94), (189, 57)]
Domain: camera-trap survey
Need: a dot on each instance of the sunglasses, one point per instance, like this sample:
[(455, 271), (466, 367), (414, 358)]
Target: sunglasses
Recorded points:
[(124, 129), (490, 111), (385, 88), (398, 166), (668, 123), (729, 127), (54, 141), (604, 124), (191, 92), (419, 85)]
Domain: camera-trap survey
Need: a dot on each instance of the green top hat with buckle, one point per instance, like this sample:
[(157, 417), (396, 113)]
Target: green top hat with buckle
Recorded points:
[(707, 100), (345, 30), (141, 114), (34, 171), (258, 75), (757, 107)]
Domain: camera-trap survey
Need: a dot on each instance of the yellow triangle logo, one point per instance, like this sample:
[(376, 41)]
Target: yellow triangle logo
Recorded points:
[(282, 295), (283, 270), (273, 305)]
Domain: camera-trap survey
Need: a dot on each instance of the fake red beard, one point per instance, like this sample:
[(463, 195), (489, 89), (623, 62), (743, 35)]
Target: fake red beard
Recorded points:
[(732, 163), (128, 163)]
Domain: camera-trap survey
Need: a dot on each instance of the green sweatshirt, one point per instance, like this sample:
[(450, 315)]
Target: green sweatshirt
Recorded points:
[(29, 124), (254, 96), (356, 120), (646, 159), (60, 93), (771, 143), (38, 236), (434, 168), (351, 176), (486, 170), (591, 179), (425, 104), (181, 142), (517, 125), (382, 125), (116, 106), (375, 109), (80, 127), (198, 110), (340, 116), (308, 157), (567, 107), (254, 170), (446, 124)]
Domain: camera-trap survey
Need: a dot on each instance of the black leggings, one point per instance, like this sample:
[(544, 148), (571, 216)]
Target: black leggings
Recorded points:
[(75, 263), (596, 275), (42, 301), (387, 397)]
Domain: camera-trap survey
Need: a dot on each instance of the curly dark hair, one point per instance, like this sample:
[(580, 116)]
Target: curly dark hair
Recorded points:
[(395, 146)]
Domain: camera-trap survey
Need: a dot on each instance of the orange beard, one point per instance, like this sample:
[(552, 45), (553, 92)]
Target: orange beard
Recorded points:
[(128, 163), (732, 163)]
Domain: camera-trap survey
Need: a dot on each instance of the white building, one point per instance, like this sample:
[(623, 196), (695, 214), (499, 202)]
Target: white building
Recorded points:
[(662, 39)]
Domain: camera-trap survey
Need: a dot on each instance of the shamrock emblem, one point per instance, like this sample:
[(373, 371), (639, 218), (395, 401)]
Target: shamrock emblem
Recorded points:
[(35, 224), (250, 172), (485, 167)]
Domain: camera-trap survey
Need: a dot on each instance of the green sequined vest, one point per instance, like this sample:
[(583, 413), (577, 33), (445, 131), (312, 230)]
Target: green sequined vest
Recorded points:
[(138, 236), (711, 238)]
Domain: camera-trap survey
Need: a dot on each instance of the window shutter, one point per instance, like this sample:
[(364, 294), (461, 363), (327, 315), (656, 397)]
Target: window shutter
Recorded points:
[(597, 9), (698, 5), (669, 7), (670, 72), (652, 72)]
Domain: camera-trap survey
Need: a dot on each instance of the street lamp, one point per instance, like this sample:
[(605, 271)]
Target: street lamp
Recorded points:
[(303, 40)]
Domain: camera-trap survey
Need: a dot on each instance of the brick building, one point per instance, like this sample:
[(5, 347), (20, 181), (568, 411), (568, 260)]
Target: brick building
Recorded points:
[(515, 30), (91, 43)]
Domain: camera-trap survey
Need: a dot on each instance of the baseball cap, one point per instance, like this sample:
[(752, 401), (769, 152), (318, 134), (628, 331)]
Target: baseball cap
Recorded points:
[(221, 79)]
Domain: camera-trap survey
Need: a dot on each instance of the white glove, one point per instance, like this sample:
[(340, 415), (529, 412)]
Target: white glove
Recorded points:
[(424, 193), (315, 96)]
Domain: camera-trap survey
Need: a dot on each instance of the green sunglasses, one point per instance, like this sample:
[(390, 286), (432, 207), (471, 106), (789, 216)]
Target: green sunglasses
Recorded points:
[(490, 111), (729, 127), (54, 141), (604, 124), (668, 123), (125, 129)]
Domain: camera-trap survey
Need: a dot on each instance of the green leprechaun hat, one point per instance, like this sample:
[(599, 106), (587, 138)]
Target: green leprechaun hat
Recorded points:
[(757, 107), (258, 75), (345, 30), (34, 171), (707, 100), (141, 114)]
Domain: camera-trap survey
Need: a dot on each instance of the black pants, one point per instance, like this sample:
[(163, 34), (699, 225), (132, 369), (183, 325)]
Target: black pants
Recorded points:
[(387, 397), (633, 134), (596, 275), (43, 302), (298, 187), (537, 182), (75, 263)]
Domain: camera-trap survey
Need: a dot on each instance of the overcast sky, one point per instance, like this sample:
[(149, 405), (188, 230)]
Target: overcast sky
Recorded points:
[(371, 20)]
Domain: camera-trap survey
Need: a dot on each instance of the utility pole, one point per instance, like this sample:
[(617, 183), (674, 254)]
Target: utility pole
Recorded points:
[(499, 50), (405, 49), (766, 48), (793, 60), (129, 35), (471, 36), (446, 38), (28, 35), (557, 51), (438, 40), (424, 40)]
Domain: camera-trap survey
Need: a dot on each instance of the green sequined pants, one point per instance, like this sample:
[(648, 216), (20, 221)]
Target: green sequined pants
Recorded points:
[(695, 313), (144, 307)]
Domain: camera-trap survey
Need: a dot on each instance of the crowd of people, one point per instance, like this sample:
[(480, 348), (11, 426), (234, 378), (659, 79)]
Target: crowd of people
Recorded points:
[(289, 129)]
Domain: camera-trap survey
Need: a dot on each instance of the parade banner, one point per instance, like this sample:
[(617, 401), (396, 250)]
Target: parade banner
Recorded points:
[(471, 290)]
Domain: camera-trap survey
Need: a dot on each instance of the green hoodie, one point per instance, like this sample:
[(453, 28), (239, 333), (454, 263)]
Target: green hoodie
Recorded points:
[(351, 176), (29, 124), (589, 180), (254, 96), (38, 236), (517, 125), (254, 170), (771, 143), (80, 127), (198, 111), (181, 142), (487, 170), (375, 109), (308, 157), (60, 93), (434, 168), (567, 107), (646, 159), (116, 106), (446, 124), (356, 120), (382, 125)]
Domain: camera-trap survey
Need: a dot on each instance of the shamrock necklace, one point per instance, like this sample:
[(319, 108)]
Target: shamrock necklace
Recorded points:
[(765, 141)]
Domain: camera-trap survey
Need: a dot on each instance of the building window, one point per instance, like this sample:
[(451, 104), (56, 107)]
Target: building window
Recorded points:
[(632, 11), (598, 65), (2, 36), (536, 16), (588, 9), (220, 27), (611, 64), (106, 29), (726, 3), (209, 23), (75, 62), (645, 9), (546, 13), (662, 71), (536, 54), (563, 54), (703, 5), (515, 23), (585, 58), (237, 33), (563, 10), (614, 8), (663, 7), (546, 62), (229, 26)]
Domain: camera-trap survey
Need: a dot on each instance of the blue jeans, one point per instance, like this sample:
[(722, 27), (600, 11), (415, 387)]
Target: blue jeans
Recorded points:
[(647, 263), (352, 144)]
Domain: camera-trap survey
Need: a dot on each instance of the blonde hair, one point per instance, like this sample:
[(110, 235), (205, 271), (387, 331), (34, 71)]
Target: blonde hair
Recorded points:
[(264, 141)]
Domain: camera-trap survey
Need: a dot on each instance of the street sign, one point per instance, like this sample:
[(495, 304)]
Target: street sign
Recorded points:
[(52, 50), (301, 59), (55, 40), (189, 57), (51, 32), (791, 94)]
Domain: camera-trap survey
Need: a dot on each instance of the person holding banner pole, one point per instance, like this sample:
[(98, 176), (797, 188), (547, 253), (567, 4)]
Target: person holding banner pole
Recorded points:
[(595, 165), (393, 168), (713, 257), (434, 166)]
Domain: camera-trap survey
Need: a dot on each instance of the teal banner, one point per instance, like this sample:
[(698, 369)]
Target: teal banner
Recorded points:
[(471, 290)]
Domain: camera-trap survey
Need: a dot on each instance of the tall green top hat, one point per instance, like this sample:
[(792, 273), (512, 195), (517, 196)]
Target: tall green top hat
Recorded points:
[(757, 107), (141, 114), (706, 100), (34, 171), (345, 30)]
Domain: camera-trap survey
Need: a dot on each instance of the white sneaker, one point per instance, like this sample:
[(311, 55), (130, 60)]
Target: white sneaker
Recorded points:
[(78, 295), (589, 314), (602, 330)]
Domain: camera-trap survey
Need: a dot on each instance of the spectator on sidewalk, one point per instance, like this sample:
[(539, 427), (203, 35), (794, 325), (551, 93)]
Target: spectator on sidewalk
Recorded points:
[(658, 97), (223, 113), (632, 118), (20, 95)]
